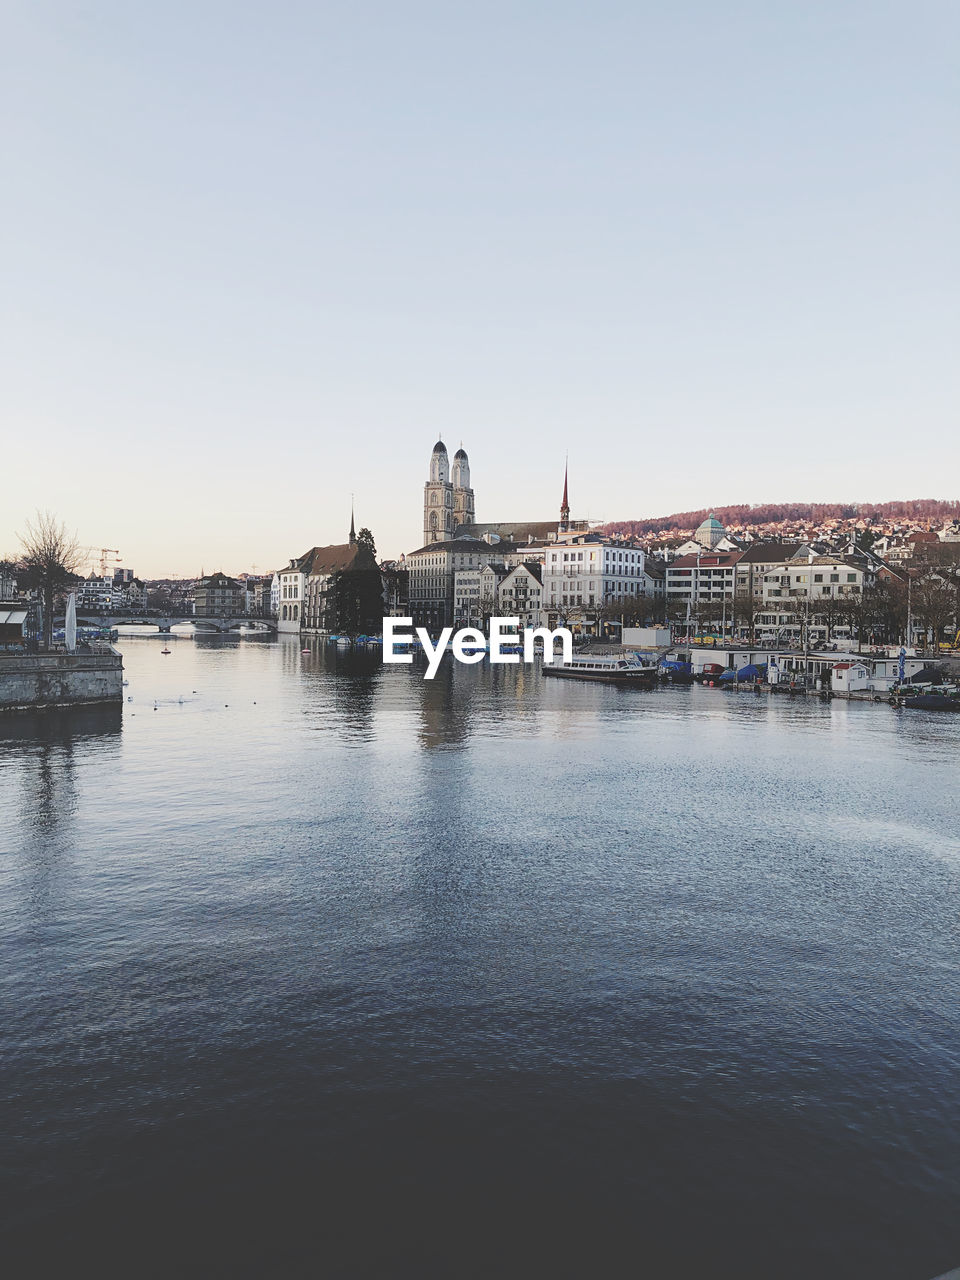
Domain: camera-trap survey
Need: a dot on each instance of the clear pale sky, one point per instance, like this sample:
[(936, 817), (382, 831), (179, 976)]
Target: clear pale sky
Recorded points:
[(259, 256)]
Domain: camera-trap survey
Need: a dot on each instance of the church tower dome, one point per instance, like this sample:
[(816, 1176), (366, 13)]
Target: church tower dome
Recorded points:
[(439, 464), (438, 498), (463, 510)]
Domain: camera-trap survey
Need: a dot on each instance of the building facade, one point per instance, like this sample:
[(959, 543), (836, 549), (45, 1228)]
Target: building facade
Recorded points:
[(704, 578), (431, 571), (217, 596), (290, 603), (587, 571), (342, 590)]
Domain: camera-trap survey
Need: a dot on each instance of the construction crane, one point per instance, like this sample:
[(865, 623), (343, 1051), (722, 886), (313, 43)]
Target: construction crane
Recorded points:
[(94, 554), (104, 552)]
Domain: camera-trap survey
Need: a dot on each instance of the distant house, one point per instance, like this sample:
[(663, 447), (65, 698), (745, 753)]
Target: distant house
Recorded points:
[(217, 596), (704, 577), (760, 558), (520, 594)]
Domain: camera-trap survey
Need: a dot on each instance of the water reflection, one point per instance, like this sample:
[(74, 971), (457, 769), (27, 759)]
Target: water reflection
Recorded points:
[(44, 830), (62, 724), (445, 705), (341, 687)]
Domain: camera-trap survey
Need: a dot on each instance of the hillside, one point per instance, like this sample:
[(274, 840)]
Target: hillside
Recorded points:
[(760, 515)]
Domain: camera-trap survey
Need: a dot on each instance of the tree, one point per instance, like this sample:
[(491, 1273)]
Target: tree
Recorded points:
[(8, 576), (635, 611), (935, 604), (744, 610), (365, 539), (51, 558)]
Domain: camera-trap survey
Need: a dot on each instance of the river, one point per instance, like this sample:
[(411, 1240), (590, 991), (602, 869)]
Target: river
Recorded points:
[(313, 967)]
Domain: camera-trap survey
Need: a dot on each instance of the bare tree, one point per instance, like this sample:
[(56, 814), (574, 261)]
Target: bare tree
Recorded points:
[(934, 602), (631, 610), (51, 558)]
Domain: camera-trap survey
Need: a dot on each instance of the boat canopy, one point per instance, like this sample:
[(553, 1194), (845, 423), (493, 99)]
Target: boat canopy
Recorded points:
[(926, 675), (752, 671)]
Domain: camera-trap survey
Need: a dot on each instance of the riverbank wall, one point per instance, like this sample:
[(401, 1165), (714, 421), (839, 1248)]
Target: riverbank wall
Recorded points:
[(33, 682)]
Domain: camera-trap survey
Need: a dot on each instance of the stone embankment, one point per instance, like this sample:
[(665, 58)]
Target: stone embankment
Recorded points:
[(32, 682)]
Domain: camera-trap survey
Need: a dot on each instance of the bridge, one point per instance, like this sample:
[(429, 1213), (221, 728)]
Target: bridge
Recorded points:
[(85, 618)]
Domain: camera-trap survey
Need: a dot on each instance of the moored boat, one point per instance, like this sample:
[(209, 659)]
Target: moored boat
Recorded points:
[(933, 700), (619, 668)]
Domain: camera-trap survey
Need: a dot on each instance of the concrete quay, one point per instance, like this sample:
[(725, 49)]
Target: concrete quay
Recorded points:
[(36, 681)]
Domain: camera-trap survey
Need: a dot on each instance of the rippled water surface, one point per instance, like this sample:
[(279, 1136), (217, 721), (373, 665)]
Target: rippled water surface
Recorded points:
[(312, 967)]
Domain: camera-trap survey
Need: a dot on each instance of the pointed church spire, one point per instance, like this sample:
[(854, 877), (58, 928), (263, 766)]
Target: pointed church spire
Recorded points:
[(353, 532), (565, 504)]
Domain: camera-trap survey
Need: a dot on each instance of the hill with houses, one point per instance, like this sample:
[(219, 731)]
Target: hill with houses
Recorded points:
[(803, 519)]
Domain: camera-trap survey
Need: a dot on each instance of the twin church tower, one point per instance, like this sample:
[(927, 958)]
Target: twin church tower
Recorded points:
[(447, 499), (448, 504)]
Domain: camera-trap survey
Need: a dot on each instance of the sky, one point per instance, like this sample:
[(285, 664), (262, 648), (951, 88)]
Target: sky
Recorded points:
[(258, 257)]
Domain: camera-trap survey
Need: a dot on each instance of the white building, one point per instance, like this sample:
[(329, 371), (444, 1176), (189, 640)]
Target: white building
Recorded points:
[(519, 594), (849, 677), (290, 606), (587, 571), (797, 587)]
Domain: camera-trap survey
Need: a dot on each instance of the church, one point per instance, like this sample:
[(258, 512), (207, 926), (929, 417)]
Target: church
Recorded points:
[(447, 499), (449, 511)]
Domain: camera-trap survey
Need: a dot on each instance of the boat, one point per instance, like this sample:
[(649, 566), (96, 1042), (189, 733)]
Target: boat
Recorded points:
[(612, 668), (676, 672), (932, 699)]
